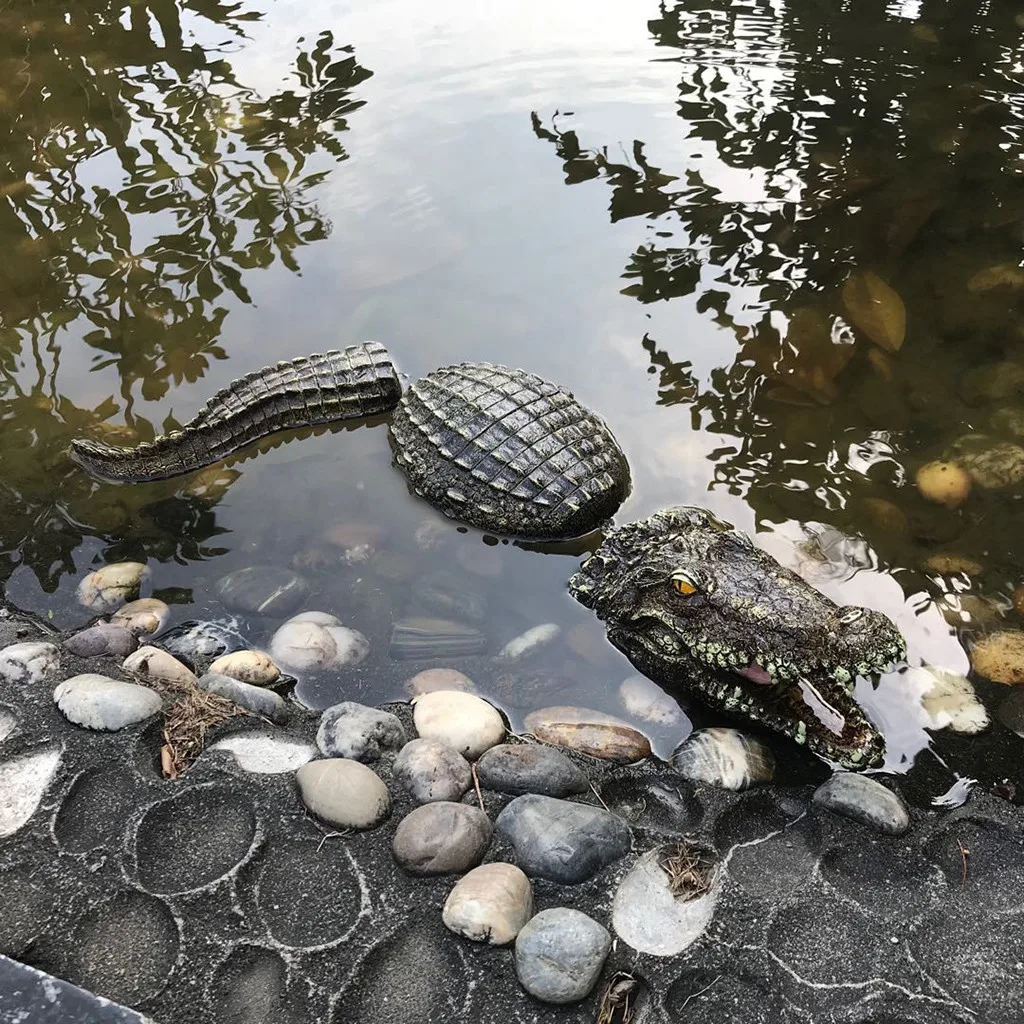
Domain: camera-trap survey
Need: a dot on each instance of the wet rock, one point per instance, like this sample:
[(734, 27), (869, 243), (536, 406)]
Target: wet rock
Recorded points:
[(644, 699), (419, 637), (253, 667), (431, 679), (991, 464), (970, 611), (562, 841), (343, 793), (429, 770), (157, 666), (23, 782), (948, 563), (587, 640), (358, 732), (449, 595), (253, 698), (726, 758), (99, 702), (112, 585), (143, 617), (589, 732), (191, 641), (949, 700), (262, 590), (527, 644), (489, 904), (28, 663), (464, 721), (945, 483), (264, 754), (356, 543), (864, 800), (432, 534), (528, 689), (559, 955), (1000, 657), (480, 559), (102, 639), (662, 914), (520, 768), (441, 838), (316, 642)]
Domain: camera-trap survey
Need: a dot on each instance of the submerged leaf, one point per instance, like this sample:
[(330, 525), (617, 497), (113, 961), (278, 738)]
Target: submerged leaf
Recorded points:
[(875, 309), (1001, 275)]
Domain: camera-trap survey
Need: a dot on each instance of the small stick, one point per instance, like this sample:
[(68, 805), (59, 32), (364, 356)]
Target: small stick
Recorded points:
[(593, 789), (476, 786), (693, 995), (963, 857)]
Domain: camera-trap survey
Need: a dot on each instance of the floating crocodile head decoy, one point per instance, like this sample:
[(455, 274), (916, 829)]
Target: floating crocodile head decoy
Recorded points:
[(691, 602)]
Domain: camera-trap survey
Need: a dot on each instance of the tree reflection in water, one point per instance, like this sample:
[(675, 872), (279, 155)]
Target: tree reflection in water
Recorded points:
[(140, 183), (867, 144)]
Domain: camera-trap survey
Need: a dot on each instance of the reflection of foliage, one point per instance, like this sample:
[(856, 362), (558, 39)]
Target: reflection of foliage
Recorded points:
[(864, 143), (139, 182)]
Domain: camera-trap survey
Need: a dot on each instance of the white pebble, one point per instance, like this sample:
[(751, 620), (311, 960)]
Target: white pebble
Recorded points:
[(462, 720), (28, 663), (99, 702), (157, 666), (648, 701), (111, 586), (530, 642), (253, 667), (143, 617), (315, 641)]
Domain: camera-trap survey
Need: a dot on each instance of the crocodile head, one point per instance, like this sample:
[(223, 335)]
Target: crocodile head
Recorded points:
[(694, 604)]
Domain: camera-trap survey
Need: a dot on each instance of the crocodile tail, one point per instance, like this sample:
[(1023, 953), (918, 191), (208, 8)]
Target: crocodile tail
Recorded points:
[(339, 385)]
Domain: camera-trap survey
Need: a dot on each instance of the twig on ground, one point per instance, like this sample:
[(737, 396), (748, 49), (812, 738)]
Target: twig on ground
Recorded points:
[(964, 852), (476, 786), (593, 789), (689, 869), (700, 992)]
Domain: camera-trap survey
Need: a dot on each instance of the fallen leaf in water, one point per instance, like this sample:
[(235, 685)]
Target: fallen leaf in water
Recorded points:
[(875, 309), (1002, 275), (881, 362), (924, 32)]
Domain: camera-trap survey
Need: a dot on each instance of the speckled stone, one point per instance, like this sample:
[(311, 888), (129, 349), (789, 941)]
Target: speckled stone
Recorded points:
[(26, 664), (143, 617), (519, 768), (489, 904), (193, 640), (462, 720), (253, 698), (726, 758), (343, 793), (865, 800), (559, 955), (111, 586), (589, 732), (316, 642), (156, 666), (99, 702), (102, 639), (255, 667), (441, 838), (562, 841), (359, 732), (430, 770), (262, 590)]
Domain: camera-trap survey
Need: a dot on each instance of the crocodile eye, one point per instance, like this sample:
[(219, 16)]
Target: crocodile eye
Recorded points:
[(684, 584), (848, 616)]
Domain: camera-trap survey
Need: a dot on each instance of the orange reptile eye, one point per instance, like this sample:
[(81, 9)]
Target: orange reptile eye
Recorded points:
[(682, 584)]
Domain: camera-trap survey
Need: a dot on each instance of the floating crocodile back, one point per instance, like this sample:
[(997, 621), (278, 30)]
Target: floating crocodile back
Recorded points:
[(507, 451), (340, 385)]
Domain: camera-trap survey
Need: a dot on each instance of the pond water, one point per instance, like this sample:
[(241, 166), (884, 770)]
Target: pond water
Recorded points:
[(708, 219)]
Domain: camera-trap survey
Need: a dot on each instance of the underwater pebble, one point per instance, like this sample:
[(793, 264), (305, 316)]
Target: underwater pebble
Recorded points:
[(143, 617), (263, 754), (520, 768), (99, 702), (482, 559), (991, 464), (430, 770), (253, 667), (449, 595), (945, 483), (945, 563), (103, 638), (431, 679), (949, 700), (644, 699), (489, 904), (970, 611), (23, 782), (726, 758), (560, 954), (432, 534), (316, 641), (865, 800), (356, 542), (562, 841), (193, 640), (441, 838), (648, 916), (253, 698), (462, 720), (157, 666), (28, 663), (262, 590), (1000, 657), (419, 637), (358, 732), (527, 644), (587, 640), (589, 732), (1011, 712), (112, 585), (343, 793)]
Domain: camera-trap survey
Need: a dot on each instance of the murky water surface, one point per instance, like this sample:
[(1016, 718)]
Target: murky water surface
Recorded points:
[(711, 220)]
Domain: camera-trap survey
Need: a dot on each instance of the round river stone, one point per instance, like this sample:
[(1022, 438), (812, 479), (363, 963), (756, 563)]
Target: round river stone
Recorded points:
[(441, 838), (359, 732), (343, 793), (519, 768), (489, 904), (560, 953), (430, 770)]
